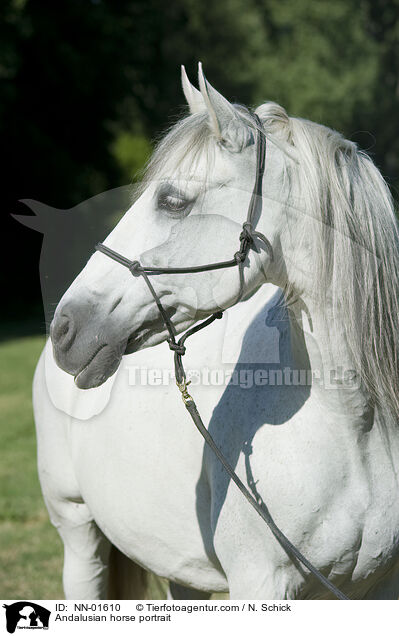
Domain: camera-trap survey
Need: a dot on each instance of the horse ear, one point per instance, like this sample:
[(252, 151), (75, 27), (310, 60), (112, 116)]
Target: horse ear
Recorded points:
[(226, 124), (193, 96), (43, 219)]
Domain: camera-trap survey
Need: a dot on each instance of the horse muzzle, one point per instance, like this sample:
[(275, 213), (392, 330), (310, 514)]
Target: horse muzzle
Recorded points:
[(81, 345)]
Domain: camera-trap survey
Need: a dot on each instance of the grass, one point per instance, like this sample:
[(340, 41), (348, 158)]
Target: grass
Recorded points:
[(31, 552), (30, 549)]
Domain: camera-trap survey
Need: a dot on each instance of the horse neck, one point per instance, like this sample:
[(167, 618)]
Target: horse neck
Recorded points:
[(321, 346)]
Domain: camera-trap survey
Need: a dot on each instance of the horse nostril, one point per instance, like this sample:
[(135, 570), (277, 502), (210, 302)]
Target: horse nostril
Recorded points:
[(63, 331)]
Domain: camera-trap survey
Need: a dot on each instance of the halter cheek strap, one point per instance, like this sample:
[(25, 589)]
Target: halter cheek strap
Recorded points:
[(248, 239)]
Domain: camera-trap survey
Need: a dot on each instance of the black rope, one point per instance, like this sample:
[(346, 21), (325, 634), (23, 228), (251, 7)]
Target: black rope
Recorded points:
[(180, 349)]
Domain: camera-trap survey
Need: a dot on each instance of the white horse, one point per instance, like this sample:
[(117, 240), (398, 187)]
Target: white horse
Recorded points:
[(309, 417)]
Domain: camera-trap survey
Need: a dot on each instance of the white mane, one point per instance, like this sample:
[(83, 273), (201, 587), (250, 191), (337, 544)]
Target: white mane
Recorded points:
[(356, 252)]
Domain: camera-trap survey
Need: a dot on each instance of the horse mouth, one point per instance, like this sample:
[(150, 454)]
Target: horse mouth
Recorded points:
[(151, 329), (106, 357), (105, 360), (98, 368)]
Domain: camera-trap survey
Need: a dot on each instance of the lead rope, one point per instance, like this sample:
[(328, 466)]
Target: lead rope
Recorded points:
[(247, 242)]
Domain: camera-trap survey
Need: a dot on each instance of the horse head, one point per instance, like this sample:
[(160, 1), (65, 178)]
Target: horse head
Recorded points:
[(189, 212)]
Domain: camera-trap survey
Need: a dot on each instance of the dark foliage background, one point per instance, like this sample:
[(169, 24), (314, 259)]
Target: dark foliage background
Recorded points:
[(85, 85)]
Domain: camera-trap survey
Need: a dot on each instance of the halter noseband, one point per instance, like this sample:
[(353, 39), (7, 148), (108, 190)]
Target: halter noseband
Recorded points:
[(247, 242)]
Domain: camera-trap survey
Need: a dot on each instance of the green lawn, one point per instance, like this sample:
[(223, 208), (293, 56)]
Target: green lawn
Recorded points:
[(30, 550)]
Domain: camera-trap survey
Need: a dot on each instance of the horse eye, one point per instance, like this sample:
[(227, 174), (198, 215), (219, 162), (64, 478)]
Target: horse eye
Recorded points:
[(172, 203)]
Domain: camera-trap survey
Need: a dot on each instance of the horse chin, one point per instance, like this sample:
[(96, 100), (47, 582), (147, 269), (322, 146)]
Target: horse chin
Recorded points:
[(99, 368)]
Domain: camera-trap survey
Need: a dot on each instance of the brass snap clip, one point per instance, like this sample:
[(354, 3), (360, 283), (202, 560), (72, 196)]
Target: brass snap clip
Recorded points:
[(182, 386)]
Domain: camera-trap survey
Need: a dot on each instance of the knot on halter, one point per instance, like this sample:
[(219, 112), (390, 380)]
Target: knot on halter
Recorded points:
[(240, 257), (247, 232), (135, 268), (177, 348), (247, 238)]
